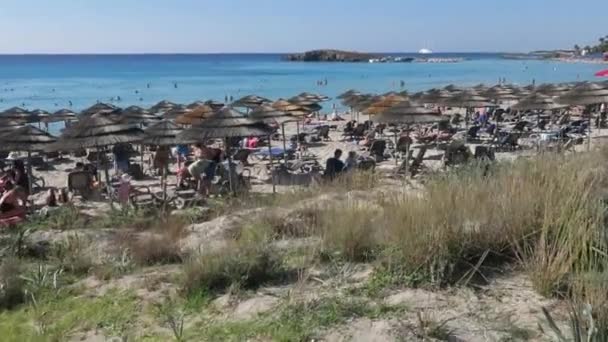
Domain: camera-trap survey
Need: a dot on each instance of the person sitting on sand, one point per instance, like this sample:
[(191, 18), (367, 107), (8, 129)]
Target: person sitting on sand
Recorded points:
[(17, 175), (351, 161), (334, 166), (12, 202)]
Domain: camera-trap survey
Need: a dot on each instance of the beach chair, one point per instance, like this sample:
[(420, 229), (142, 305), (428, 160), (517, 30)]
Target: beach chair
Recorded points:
[(358, 133), (143, 198), (377, 149), (323, 133), (80, 153), (520, 126), (456, 154), (38, 163), (472, 132), (506, 142), (79, 183), (484, 153)]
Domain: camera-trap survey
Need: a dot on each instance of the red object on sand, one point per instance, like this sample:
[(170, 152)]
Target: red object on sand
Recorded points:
[(603, 73)]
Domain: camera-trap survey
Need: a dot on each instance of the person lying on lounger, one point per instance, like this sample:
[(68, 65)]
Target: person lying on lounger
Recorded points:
[(12, 202)]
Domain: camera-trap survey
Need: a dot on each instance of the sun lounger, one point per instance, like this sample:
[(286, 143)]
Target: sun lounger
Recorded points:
[(377, 149)]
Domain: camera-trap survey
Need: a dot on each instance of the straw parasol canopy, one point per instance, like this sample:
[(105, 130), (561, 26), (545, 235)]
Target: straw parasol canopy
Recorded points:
[(585, 94), (226, 123), (163, 133), (96, 131), (26, 138), (386, 103), (250, 101), (467, 99), (162, 106), (268, 115), (216, 105), (195, 116), (537, 101), (138, 115), (16, 114), (347, 94), (407, 112), (40, 115), (501, 93), (435, 96), (175, 112), (480, 88), (100, 108), (552, 90), (9, 125), (195, 104), (313, 97), (62, 115), (452, 88), (286, 106)]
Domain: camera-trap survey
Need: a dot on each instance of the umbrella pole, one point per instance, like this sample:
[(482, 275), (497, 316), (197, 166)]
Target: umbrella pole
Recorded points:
[(142, 158), (284, 145), (108, 184), (274, 187), (227, 147), (298, 136), (590, 129), (29, 171)]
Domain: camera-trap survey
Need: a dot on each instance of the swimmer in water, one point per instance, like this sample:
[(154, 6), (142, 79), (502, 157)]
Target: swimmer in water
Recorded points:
[(70, 102), (136, 91), (148, 85)]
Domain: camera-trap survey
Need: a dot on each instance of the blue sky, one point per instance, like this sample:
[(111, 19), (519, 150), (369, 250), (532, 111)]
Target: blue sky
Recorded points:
[(165, 26)]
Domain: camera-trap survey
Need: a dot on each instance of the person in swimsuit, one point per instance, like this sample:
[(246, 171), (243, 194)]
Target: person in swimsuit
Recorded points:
[(12, 202)]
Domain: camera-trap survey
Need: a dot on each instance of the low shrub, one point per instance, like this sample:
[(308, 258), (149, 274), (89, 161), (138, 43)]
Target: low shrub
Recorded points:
[(12, 285), (238, 265)]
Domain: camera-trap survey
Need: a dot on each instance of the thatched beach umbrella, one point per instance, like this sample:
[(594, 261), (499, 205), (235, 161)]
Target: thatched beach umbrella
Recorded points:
[(100, 108), (386, 103), (347, 94), (250, 101), (585, 94), (452, 88), (216, 105), (7, 125), (226, 123), (162, 106), (175, 112), (138, 115), (537, 101), (28, 139), (163, 133), (435, 96), (313, 97), (286, 106), (195, 104), (408, 113), (40, 115), (16, 114), (62, 115), (269, 115), (467, 99), (195, 116), (552, 90), (97, 131)]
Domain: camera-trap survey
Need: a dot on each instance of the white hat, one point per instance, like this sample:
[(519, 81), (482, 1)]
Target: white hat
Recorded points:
[(13, 156), (125, 178)]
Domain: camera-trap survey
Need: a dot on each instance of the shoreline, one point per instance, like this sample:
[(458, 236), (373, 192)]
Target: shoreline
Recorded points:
[(579, 60)]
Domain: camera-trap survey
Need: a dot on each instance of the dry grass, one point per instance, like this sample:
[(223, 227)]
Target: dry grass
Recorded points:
[(158, 245)]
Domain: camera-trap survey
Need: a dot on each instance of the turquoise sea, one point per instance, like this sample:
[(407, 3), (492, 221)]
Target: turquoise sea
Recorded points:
[(51, 82)]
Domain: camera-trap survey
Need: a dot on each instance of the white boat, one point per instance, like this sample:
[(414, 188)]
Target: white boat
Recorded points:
[(425, 52)]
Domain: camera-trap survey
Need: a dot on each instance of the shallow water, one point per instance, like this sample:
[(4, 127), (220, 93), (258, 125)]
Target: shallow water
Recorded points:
[(51, 81)]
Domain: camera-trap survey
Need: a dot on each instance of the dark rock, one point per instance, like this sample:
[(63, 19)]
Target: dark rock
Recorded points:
[(330, 56)]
